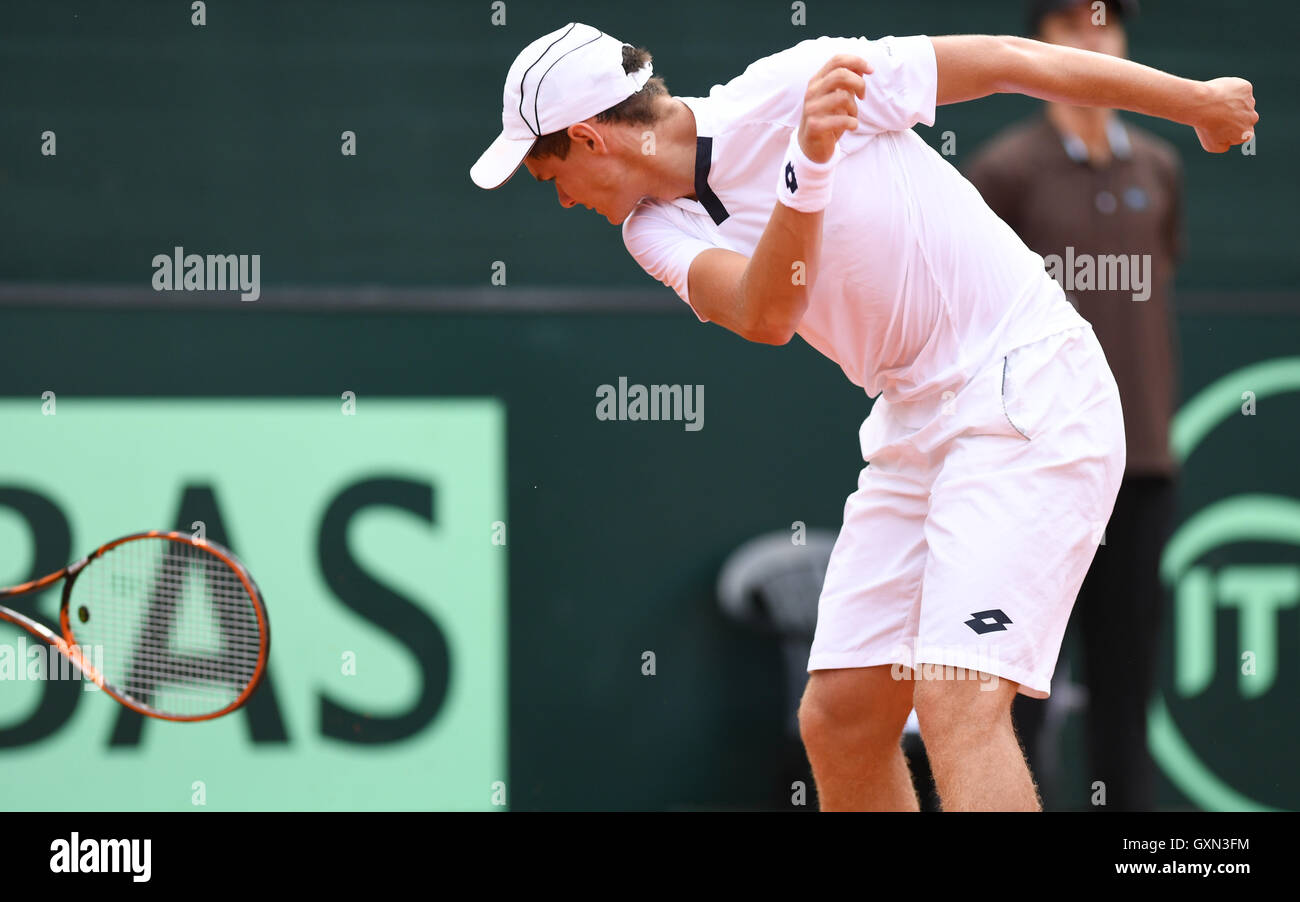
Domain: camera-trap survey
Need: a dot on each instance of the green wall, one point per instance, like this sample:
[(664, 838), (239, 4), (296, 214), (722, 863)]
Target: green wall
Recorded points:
[(226, 138)]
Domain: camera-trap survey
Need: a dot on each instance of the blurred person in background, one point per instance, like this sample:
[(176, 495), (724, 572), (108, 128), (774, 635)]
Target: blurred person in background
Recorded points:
[(1079, 183)]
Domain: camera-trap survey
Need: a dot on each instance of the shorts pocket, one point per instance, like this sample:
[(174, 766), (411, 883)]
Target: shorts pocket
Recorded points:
[(1012, 408), (1044, 379), (989, 404)]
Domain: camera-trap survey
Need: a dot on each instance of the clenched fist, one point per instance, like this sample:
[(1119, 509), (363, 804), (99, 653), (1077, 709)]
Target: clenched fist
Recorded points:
[(830, 107), (1227, 117)]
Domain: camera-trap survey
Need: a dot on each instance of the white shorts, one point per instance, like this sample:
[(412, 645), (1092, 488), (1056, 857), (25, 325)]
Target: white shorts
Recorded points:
[(976, 519)]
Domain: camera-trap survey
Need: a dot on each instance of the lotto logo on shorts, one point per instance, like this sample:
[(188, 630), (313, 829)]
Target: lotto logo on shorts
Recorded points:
[(988, 621)]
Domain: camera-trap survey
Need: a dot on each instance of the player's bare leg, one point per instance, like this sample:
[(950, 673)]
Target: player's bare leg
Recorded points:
[(851, 721), (971, 744)]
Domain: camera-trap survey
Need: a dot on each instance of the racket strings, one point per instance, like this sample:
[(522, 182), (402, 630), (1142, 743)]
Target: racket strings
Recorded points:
[(172, 625)]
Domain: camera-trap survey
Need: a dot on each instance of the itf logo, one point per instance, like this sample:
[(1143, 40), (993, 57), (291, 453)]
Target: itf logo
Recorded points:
[(1233, 567)]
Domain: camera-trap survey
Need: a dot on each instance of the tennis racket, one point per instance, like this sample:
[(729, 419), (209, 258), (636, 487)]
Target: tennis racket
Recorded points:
[(169, 625)]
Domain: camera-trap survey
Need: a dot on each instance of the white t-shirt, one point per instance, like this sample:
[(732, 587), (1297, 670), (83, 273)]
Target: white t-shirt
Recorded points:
[(919, 282)]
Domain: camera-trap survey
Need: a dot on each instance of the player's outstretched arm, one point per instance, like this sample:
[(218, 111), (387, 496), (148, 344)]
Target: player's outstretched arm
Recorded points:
[(763, 298), (970, 66)]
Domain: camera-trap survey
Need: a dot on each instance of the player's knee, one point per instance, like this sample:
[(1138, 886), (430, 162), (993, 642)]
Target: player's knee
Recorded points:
[(953, 712), (843, 706)]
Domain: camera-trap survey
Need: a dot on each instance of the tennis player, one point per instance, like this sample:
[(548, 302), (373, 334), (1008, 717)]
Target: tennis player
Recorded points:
[(796, 199)]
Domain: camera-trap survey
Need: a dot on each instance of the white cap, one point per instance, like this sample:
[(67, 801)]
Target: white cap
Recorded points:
[(558, 80)]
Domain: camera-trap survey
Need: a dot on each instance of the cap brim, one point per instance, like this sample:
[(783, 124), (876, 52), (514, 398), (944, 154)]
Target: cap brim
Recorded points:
[(499, 162)]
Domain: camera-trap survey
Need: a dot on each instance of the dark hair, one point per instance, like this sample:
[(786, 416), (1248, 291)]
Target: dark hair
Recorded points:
[(637, 109)]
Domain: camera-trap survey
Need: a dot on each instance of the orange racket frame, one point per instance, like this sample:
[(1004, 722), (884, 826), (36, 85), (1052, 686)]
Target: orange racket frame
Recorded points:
[(66, 643)]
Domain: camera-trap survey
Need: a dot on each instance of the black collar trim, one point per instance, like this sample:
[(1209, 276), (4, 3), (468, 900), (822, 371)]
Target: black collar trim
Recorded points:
[(703, 193)]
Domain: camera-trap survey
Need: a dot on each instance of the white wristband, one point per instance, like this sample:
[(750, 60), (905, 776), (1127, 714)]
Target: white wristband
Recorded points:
[(802, 184)]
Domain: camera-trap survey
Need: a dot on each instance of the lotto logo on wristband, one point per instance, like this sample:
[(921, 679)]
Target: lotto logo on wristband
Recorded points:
[(800, 172)]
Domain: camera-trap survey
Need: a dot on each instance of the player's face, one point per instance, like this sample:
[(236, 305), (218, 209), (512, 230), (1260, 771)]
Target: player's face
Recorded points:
[(1081, 28), (595, 181)]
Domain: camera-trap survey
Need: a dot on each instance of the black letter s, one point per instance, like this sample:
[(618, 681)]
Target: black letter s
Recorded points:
[(399, 616)]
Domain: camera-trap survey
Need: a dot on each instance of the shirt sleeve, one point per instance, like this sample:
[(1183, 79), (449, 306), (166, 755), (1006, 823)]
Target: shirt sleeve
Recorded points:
[(661, 239), (902, 88), (901, 91)]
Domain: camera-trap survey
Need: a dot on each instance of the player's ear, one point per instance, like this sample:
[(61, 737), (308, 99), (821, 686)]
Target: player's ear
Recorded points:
[(583, 133)]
